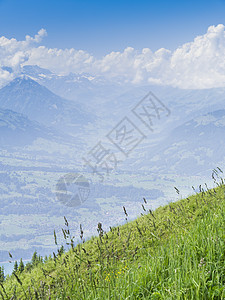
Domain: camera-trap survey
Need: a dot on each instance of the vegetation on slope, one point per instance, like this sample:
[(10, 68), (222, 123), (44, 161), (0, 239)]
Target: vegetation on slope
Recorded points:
[(175, 252)]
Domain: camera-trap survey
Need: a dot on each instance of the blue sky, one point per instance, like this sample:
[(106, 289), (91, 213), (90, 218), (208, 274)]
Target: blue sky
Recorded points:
[(100, 27), (176, 43)]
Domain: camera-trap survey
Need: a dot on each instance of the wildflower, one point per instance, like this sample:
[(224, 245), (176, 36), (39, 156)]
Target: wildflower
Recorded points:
[(202, 262)]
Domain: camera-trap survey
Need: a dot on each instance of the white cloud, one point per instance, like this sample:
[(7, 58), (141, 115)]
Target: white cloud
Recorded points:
[(14, 53), (198, 64)]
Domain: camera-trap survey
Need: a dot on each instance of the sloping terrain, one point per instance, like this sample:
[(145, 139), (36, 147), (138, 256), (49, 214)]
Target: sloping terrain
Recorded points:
[(26, 96), (194, 147), (175, 252), (17, 130)]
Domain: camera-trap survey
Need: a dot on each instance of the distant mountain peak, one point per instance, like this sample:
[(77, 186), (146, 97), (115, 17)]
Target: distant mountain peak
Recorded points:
[(23, 80), (36, 68), (26, 96)]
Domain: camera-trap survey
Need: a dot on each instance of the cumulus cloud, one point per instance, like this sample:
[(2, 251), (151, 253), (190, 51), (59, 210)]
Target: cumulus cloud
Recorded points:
[(197, 64), (14, 53)]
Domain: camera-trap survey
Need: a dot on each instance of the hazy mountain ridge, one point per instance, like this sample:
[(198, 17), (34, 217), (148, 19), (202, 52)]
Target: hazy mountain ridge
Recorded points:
[(17, 130), (194, 147), (72, 86), (26, 96)]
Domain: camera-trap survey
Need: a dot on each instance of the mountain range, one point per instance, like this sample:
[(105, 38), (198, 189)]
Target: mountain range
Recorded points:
[(181, 143), (17, 129), (25, 96)]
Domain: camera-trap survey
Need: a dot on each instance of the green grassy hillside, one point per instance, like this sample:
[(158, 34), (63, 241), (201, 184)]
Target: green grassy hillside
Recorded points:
[(175, 252)]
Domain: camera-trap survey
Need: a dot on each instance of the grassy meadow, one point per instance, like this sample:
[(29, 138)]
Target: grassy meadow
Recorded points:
[(174, 252)]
